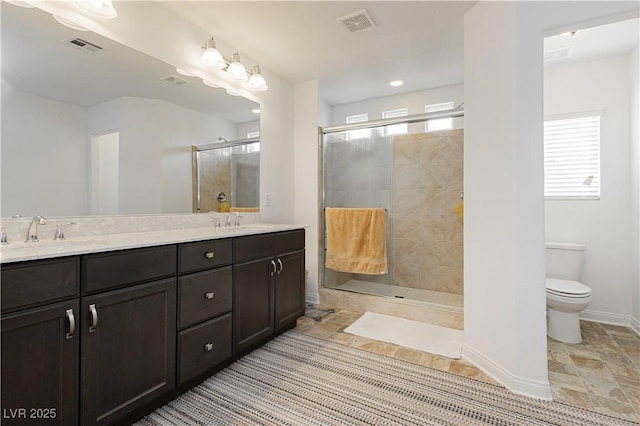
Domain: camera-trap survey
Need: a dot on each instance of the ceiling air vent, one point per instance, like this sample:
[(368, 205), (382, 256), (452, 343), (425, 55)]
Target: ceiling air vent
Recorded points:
[(357, 21), (84, 45), (557, 54), (174, 80)]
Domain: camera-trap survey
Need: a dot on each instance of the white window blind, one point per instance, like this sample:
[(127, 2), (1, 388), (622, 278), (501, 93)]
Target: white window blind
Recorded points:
[(572, 157), (441, 123), (395, 129), (357, 134)]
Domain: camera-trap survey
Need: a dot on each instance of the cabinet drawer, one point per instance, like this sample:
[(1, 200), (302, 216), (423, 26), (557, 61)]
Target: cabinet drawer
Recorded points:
[(116, 269), (203, 346), (35, 283), (204, 255), (253, 247), (204, 295), (289, 241)]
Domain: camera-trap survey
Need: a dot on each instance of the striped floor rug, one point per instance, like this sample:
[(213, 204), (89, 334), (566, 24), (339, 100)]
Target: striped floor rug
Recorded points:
[(301, 380)]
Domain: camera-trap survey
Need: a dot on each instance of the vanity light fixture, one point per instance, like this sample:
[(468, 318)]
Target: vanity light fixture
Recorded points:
[(257, 81), (233, 68), (211, 56), (100, 8), (236, 70), (232, 93)]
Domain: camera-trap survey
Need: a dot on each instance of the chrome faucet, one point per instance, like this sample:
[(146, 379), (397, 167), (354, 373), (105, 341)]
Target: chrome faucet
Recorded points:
[(32, 236), (235, 223)]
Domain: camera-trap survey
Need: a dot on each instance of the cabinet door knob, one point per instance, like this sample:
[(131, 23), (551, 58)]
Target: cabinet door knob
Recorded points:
[(280, 266), (273, 264), (209, 255), (208, 347), (72, 323), (209, 295), (93, 312)]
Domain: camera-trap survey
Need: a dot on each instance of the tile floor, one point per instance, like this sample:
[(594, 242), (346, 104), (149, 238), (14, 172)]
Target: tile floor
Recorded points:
[(600, 374)]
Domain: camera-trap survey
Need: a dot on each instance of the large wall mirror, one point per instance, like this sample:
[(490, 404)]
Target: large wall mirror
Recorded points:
[(91, 127)]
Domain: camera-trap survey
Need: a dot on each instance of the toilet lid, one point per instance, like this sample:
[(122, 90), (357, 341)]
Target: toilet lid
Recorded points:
[(567, 288)]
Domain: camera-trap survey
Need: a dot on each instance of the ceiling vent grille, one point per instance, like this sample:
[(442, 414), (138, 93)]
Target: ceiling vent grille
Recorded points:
[(357, 21), (84, 45), (174, 80), (557, 54)]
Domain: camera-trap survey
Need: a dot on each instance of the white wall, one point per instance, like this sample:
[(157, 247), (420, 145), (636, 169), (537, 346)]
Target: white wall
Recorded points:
[(155, 150), (604, 224), (504, 288), (634, 113), (49, 140), (414, 101)]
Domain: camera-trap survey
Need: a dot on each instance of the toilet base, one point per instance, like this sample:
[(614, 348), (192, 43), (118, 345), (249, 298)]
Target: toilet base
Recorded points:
[(563, 326)]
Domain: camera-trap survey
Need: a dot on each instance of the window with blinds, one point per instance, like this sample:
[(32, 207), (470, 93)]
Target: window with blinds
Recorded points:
[(357, 134), (572, 157), (442, 123), (395, 129)]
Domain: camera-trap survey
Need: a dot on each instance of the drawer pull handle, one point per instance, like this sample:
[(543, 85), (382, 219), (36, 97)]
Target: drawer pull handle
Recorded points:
[(273, 264), (209, 255), (280, 264), (72, 323), (208, 347), (94, 317), (209, 295)]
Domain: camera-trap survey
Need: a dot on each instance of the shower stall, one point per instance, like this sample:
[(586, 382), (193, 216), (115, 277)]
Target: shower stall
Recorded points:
[(226, 176), (416, 176)]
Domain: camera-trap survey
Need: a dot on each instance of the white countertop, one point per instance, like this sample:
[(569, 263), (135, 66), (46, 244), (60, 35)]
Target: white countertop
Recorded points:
[(44, 249)]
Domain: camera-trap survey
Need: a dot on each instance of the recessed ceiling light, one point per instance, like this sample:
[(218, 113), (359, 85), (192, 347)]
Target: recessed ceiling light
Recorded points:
[(256, 110), (396, 83)]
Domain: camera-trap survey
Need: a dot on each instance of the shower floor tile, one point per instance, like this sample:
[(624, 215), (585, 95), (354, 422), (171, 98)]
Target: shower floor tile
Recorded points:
[(419, 295)]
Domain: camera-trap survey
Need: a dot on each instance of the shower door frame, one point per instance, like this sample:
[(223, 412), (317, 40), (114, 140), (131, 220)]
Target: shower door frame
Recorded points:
[(371, 124)]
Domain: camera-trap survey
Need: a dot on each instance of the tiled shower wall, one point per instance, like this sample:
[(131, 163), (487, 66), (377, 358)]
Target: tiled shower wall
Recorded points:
[(427, 230)]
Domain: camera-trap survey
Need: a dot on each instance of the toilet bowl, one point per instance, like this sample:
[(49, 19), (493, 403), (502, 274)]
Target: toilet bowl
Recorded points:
[(566, 296)]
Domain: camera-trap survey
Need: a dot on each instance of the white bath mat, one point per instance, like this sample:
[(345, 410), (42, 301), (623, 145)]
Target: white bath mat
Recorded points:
[(411, 334)]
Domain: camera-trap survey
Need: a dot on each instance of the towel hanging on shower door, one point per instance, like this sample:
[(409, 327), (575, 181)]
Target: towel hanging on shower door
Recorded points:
[(356, 240)]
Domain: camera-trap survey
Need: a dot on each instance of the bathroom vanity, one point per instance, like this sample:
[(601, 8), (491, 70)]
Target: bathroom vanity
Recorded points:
[(105, 332)]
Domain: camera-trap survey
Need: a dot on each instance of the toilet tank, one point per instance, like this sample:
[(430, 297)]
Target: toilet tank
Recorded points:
[(564, 260)]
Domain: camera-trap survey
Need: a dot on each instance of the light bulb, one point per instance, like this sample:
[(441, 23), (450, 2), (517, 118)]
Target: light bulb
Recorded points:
[(257, 81), (235, 69), (211, 57)]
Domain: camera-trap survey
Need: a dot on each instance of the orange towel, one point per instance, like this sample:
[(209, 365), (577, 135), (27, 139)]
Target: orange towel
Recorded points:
[(356, 240)]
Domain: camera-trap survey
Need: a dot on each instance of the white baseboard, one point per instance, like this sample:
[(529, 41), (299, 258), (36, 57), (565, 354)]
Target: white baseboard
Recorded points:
[(606, 317), (312, 298), (520, 385), (635, 325)]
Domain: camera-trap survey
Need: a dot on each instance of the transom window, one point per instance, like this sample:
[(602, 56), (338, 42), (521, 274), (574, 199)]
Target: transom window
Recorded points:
[(357, 134), (395, 129), (441, 123)]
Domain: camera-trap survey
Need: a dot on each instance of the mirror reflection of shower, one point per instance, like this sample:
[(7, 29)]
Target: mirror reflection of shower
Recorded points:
[(226, 176)]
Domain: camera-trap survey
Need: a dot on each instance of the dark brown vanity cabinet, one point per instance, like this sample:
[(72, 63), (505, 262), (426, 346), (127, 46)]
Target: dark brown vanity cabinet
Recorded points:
[(128, 331), (268, 291), (128, 346), (100, 338), (40, 345), (204, 307)]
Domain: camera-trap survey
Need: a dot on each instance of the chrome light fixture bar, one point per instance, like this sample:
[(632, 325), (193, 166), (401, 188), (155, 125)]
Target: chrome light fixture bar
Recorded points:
[(233, 68)]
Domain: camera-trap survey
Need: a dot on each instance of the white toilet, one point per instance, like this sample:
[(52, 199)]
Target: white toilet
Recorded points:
[(566, 295)]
